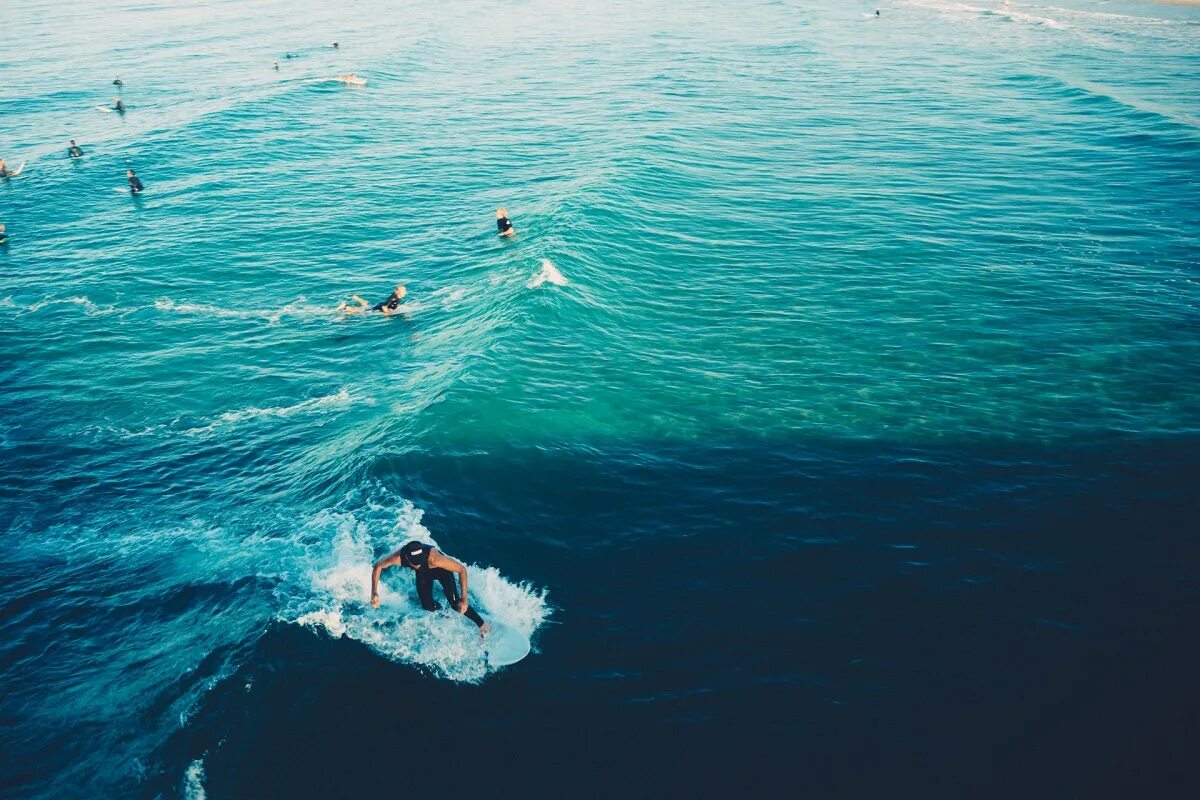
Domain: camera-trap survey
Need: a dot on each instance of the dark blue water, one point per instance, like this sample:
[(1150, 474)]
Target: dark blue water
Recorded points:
[(829, 426), (815, 619)]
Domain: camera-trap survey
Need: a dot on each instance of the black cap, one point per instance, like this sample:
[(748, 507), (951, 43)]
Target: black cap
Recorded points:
[(415, 554)]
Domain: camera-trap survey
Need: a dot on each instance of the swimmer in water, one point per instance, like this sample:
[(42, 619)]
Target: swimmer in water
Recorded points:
[(877, 12), (74, 150), (351, 79), (335, 47), (3, 169), (135, 183), (3, 235), (277, 65), (503, 223), (387, 307), (118, 105)]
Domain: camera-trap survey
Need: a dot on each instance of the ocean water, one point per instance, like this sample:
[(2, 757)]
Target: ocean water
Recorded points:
[(830, 425)]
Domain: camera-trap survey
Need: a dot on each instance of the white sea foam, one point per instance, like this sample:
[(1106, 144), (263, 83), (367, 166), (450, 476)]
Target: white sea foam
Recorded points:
[(89, 308), (297, 308), (1105, 16), (341, 399), (193, 781), (547, 274), (450, 297), (444, 643), (1028, 19), (1004, 12), (167, 304)]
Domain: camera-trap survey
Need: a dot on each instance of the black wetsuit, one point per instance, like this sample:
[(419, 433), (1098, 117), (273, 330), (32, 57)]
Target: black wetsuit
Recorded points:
[(416, 554), (135, 184), (391, 304), (120, 107), (504, 224), (74, 151), (426, 576)]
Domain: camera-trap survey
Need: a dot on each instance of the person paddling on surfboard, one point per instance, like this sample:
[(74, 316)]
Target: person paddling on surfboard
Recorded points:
[(135, 183), (387, 307), (74, 151), (118, 106), (430, 566)]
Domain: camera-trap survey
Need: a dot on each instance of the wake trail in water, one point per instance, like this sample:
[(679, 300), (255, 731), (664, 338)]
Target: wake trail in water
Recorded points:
[(340, 400), (297, 308), (89, 308)]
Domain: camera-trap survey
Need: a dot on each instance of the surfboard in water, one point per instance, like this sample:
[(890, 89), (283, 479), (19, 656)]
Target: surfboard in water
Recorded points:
[(504, 645), (105, 109), (18, 170)]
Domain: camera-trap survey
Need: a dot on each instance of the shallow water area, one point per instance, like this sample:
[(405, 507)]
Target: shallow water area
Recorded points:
[(838, 396)]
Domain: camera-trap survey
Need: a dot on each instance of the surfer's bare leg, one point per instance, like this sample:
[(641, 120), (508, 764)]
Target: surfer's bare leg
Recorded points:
[(346, 308)]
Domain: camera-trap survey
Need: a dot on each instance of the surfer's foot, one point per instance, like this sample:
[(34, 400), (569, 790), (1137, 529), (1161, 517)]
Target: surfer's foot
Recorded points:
[(484, 628)]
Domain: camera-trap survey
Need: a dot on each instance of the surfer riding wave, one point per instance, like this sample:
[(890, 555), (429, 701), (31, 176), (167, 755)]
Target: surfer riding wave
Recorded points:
[(429, 565)]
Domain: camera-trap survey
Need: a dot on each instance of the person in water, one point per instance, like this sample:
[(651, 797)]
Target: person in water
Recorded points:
[(74, 150), (118, 82), (118, 105), (277, 65), (387, 307), (3, 169), (503, 223), (3, 235), (430, 565), (135, 183), (351, 78)]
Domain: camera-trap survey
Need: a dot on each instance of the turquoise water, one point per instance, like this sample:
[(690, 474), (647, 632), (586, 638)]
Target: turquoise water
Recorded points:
[(808, 255)]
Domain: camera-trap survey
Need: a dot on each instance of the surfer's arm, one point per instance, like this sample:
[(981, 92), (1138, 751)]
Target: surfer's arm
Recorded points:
[(380, 566), (439, 561)]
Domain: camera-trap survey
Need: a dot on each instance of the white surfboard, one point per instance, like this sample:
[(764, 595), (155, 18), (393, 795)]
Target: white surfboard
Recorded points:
[(504, 645), (105, 109), (18, 170)]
